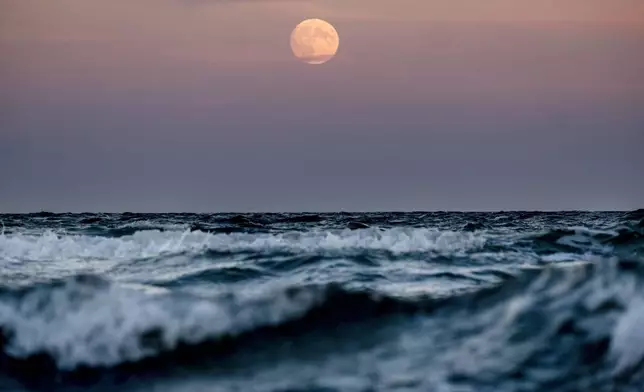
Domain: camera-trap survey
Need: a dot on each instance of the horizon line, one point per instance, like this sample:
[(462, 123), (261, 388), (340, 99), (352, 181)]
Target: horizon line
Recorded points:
[(312, 212)]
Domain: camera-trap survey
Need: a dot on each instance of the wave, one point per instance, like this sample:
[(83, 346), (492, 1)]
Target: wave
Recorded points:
[(625, 240), (635, 214), (154, 243), (86, 321), (128, 228), (143, 244), (215, 275), (557, 327)]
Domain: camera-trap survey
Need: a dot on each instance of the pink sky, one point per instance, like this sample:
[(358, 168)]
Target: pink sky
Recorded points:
[(197, 73), (145, 43)]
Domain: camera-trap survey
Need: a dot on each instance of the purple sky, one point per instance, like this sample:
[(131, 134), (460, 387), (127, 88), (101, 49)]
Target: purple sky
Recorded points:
[(197, 105)]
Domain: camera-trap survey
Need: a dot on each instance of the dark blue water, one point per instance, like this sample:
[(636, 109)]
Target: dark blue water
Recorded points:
[(507, 301)]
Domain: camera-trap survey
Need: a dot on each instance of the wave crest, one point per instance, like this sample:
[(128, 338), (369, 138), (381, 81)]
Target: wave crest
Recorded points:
[(154, 243)]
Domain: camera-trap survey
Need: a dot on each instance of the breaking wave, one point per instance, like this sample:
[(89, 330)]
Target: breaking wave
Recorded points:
[(154, 243), (87, 321)]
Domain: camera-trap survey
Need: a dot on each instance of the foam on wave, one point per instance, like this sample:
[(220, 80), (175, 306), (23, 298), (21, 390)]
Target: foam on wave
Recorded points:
[(153, 243), (87, 321)]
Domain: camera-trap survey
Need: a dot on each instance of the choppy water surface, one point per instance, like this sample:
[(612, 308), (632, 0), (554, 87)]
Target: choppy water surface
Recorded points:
[(508, 301)]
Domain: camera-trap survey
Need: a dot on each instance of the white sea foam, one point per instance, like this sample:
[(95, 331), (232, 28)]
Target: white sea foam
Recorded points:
[(627, 345), (51, 246), (94, 323), (568, 258), (152, 225)]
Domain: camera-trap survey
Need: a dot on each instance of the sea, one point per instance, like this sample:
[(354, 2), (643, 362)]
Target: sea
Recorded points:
[(309, 302)]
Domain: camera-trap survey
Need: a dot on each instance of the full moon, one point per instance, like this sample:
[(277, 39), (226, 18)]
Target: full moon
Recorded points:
[(314, 41)]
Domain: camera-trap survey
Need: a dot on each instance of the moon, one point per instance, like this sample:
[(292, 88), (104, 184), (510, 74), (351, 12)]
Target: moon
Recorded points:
[(314, 41)]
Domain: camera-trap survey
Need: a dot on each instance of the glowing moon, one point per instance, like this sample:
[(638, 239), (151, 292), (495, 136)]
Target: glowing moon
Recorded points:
[(314, 41)]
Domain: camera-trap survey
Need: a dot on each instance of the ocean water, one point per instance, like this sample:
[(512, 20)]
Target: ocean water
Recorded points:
[(506, 301)]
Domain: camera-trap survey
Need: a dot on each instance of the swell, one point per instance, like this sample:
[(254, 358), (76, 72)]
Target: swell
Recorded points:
[(625, 237), (218, 275)]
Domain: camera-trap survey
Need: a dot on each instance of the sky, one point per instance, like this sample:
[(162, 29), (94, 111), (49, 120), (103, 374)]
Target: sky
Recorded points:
[(200, 106)]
